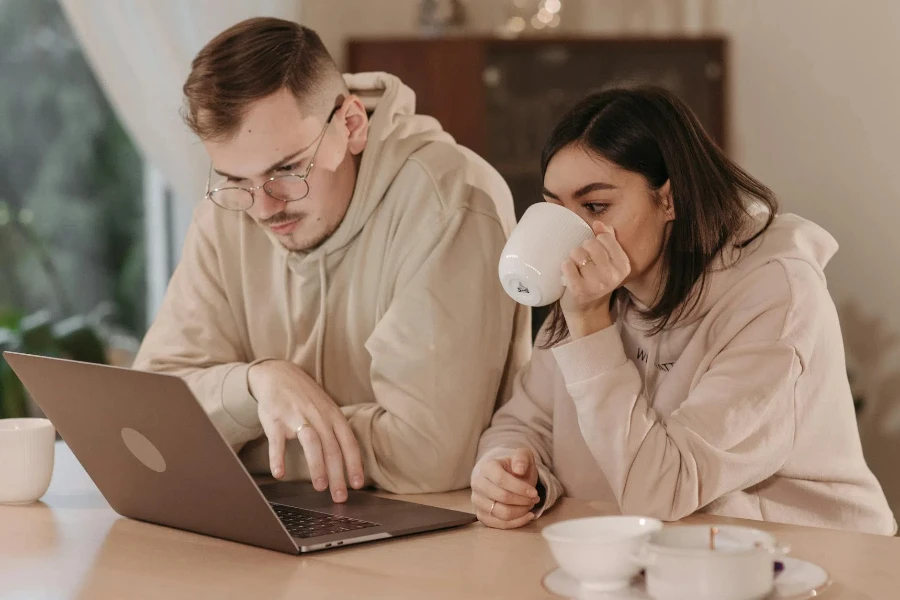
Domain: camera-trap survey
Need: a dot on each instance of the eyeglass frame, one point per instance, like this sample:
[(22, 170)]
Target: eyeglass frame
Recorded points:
[(252, 191)]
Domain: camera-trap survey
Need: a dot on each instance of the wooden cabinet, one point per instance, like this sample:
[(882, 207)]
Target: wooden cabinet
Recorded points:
[(502, 97)]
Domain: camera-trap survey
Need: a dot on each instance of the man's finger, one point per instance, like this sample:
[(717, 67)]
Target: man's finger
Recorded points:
[(275, 434), (315, 460), (350, 450), (334, 465)]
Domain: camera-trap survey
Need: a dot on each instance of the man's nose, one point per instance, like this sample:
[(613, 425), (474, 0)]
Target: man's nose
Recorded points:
[(265, 206)]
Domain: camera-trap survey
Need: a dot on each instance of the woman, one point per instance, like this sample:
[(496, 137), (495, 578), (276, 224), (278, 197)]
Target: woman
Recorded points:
[(695, 362)]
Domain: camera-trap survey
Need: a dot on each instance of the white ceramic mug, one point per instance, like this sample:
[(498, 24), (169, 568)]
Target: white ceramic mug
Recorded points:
[(531, 262), (681, 566), (26, 459), (601, 553)]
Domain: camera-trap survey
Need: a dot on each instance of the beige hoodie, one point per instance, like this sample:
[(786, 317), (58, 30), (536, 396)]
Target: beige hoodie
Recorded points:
[(743, 409), (399, 315)]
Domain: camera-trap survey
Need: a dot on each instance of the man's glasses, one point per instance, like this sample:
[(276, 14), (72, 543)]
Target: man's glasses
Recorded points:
[(289, 187)]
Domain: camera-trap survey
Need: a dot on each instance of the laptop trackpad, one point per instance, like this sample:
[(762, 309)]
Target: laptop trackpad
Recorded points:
[(359, 505)]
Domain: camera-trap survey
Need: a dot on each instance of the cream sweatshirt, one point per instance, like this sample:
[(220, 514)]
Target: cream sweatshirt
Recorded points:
[(743, 409), (399, 315)]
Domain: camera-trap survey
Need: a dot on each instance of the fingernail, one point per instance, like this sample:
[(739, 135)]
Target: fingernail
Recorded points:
[(357, 482), (340, 496), (533, 493), (320, 484), (531, 516)]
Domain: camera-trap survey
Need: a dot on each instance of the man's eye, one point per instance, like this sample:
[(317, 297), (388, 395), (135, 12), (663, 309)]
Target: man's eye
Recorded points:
[(288, 168)]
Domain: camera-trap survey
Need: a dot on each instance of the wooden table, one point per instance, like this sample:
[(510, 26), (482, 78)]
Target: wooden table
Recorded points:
[(72, 545)]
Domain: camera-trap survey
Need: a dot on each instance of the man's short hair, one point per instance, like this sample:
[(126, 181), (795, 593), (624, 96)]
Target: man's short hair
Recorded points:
[(251, 60)]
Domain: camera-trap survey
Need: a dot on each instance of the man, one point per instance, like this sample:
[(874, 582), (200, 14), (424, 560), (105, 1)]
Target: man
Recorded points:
[(337, 309)]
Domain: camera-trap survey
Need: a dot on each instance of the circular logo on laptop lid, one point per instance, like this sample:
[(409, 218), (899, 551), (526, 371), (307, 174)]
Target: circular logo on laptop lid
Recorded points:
[(143, 450)]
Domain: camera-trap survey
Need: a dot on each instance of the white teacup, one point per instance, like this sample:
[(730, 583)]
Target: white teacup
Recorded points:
[(26, 459), (602, 553), (530, 265), (681, 566)]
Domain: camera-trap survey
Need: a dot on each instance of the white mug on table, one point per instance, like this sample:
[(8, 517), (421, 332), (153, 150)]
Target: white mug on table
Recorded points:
[(26, 459)]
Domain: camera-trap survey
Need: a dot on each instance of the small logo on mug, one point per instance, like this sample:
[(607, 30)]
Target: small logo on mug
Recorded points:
[(520, 287)]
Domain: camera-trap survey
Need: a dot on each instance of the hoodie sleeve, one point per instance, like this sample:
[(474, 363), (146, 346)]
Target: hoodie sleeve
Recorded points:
[(438, 355), (526, 421), (734, 430), (194, 337)]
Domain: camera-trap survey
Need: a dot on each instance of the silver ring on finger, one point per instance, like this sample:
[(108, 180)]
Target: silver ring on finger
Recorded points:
[(491, 512), (584, 263)]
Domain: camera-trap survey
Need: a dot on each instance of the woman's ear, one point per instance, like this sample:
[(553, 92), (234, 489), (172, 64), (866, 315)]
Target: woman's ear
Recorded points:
[(354, 117), (666, 200)]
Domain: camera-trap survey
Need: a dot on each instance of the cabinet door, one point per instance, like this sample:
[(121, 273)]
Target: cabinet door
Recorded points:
[(445, 74), (530, 84)]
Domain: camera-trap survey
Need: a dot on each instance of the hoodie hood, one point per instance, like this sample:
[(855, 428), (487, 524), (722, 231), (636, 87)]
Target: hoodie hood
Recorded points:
[(395, 133)]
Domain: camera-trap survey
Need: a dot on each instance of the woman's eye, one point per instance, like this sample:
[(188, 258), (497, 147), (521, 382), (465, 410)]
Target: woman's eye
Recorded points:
[(288, 168), (596, 208)]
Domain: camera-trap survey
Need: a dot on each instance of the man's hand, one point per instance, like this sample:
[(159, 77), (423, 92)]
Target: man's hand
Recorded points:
[(292, 405)]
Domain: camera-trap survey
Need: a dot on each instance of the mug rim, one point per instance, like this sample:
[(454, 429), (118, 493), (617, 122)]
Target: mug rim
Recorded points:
[(767, 546), (25, 424), (556, 207)]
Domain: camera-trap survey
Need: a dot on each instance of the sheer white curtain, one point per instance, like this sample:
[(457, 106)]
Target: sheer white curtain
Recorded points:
[(141, 51)]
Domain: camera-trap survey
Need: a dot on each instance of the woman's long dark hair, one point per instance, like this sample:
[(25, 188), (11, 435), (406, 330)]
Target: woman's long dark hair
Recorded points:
[(650, 131)]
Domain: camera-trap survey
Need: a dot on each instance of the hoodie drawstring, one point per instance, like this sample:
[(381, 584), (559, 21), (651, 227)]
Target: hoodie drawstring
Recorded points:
[(288, 288), (323, 320)]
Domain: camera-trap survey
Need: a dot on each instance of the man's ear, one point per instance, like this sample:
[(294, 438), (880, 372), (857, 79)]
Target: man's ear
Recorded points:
[(352, 115)]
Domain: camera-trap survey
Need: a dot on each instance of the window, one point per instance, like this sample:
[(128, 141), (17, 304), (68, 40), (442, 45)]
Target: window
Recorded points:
[(71, 224)]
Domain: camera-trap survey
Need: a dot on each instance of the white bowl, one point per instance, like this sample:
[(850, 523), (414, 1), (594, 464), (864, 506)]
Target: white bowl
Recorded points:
[(26, 459), (681, 566), (602, 553)]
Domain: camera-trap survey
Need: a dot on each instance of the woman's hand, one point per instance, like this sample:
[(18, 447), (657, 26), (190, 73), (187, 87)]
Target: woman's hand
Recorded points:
[(593, 272), (504, 492)]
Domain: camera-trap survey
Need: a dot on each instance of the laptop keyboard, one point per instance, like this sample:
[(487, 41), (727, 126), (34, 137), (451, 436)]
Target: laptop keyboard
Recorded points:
[(303, 523)]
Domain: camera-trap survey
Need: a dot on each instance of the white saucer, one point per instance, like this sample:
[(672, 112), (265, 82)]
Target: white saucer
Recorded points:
[(799, 580)]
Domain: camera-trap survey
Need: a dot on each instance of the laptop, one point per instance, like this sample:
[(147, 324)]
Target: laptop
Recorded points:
[(155, 455)]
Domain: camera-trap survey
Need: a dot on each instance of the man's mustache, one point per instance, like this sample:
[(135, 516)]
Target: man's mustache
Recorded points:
[(282, 218)]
